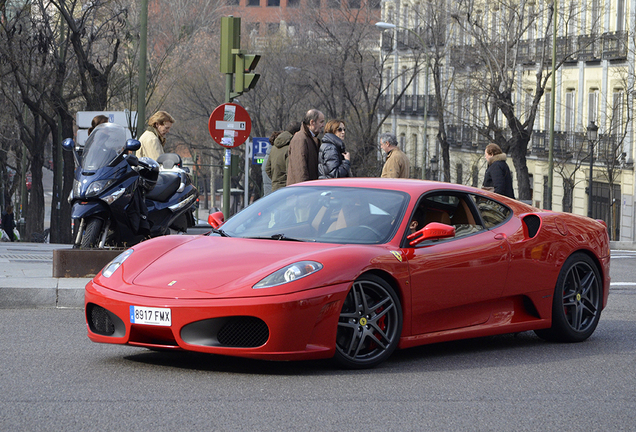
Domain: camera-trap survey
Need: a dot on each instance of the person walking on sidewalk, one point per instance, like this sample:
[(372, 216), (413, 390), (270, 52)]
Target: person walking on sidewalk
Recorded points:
[(397, 164), (8, 222), (498, 177)]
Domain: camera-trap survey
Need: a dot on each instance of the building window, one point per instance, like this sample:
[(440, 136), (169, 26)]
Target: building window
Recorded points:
[(313, 4), (569, 111), (274, 3), (594, 17), (232, 2), (354, 4), (374, 4), (460, 174), (253, 2), (617, 114), (333, 4), (293, 3), (620, 15), (272, 28), (548, 109), (592, 105)]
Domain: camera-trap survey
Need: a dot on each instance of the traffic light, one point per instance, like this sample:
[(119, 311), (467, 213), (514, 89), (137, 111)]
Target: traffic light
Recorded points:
[(230, 40), (244, 79)]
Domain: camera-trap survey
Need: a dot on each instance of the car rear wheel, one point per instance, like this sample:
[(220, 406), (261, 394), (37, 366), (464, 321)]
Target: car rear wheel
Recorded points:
[(577, 303), (370, 324)]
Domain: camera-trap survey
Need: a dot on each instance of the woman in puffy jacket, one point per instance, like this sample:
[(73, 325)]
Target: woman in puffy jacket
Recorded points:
[(333, 159)]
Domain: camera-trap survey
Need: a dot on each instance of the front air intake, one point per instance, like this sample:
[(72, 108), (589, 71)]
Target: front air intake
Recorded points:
[(103, 322), (243, 332)]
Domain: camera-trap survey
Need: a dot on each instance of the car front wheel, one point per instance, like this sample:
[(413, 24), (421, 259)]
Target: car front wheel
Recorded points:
[(370, 324), (577, 303)]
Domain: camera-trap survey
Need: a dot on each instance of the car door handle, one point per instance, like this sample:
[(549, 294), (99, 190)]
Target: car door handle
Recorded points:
[(500, 236)]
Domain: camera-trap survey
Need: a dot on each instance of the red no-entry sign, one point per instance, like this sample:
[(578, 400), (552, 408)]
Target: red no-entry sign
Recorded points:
[(229, 125)]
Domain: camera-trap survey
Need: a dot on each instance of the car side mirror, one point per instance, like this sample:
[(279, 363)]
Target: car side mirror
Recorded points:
[(432, 231), (216, 219)]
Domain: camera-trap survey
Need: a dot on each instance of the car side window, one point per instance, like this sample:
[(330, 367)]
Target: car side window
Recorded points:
[(453, 209), (492, 213)]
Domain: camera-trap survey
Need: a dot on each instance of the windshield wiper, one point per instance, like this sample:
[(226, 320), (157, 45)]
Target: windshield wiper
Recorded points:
[(220, 232), (280, 237)]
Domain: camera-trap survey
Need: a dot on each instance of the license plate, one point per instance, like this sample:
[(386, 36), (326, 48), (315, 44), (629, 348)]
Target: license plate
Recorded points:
[(150, 316)]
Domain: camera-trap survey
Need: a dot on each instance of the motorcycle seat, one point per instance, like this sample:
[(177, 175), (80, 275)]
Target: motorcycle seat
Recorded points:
[(167, 185)]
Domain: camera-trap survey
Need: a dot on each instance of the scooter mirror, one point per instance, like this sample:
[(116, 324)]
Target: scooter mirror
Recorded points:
[(68, 144), (132, 145)]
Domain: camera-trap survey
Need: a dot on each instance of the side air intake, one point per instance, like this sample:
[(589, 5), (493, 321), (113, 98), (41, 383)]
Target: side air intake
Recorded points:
[(532, 224)]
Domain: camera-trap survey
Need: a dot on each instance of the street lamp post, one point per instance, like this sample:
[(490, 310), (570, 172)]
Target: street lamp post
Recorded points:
[(592, 135), (434, 167), (387, 26), (548, 204)]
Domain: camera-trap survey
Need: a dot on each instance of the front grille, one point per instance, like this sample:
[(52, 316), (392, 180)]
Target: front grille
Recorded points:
[(100, 321), (243, 332)]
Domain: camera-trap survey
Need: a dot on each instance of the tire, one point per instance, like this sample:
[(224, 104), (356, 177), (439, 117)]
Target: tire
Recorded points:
[(91, 233), (370, 324), (577, 303)]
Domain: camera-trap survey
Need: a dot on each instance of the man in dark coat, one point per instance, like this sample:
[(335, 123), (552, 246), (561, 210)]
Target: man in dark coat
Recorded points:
[(498, 177), (302, 162)]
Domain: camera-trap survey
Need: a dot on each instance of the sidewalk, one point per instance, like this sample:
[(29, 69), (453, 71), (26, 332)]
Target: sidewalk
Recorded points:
[(26, 278)]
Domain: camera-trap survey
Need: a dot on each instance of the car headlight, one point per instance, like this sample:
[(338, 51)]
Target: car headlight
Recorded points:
[(289, 273), (115, 263), (97, 186)]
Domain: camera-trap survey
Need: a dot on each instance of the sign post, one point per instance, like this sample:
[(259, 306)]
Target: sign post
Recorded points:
[(230, 126)]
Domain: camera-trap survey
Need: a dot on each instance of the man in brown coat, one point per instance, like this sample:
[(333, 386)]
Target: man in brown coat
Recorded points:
[(302, 162), (397, 164)]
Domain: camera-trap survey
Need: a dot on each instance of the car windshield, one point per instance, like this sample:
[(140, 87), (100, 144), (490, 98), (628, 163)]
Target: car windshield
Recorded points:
[(103, 145), (322, 214)]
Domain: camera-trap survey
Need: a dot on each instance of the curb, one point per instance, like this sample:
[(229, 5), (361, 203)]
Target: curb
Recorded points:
[(42, 292)]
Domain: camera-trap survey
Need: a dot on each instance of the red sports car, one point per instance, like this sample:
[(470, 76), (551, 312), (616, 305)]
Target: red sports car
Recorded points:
[(353, 269)]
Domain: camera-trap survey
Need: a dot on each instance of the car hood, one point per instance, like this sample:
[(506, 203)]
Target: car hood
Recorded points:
[(220, 267)]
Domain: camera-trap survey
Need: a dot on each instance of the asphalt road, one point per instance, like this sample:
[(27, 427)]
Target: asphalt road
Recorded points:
[(54, 378)]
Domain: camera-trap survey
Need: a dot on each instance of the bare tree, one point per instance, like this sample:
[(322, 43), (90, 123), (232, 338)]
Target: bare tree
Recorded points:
[(496, 45)]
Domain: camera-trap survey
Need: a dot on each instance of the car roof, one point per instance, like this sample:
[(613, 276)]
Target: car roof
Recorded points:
[(411, 186)]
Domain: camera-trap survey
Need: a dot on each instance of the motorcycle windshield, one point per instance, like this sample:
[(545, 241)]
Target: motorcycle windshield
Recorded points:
[(103, 145)]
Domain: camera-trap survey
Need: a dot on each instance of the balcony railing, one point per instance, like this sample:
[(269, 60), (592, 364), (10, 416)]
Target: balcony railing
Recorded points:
[(608, 46), (409, 105)]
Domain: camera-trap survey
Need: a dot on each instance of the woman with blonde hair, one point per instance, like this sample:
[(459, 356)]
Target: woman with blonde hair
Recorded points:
[(153, 139), (333, 160)]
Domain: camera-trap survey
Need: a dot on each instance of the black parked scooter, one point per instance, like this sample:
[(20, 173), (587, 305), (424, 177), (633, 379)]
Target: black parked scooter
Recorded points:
[(119, 199)]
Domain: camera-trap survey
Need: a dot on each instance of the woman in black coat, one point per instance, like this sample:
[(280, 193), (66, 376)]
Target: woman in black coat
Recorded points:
[(498, 177), (333, 159)]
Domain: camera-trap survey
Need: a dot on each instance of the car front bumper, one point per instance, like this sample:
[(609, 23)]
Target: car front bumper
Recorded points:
[(296, 326)]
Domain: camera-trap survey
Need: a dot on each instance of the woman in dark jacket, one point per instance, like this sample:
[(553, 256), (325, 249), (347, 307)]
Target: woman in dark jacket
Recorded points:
[(498, 177), (333, 159)]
